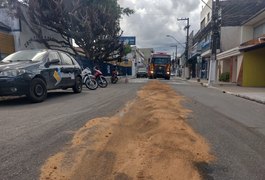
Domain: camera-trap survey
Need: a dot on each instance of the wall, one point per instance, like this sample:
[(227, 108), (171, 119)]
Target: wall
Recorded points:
[(12, 22), (234, 70), (205, 11), (246, 33), (23, 36), (106, 68), (147, 53), (253, 68), (230, 37), (6, 39), (259, 30), (226, 65), (27, 37), (24, 39), (239, 64)]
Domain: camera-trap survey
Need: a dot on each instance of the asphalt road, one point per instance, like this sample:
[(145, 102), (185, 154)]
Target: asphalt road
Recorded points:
[(30, 133), (234, 128)]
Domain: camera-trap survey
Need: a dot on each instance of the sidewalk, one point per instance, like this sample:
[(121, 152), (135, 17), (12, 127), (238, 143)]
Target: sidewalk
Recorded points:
[(256, 94)]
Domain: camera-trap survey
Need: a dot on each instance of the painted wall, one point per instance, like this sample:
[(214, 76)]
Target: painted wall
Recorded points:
[(239, 64), (246, 33), (230, 37), (205, 12), (253, 68), (226, 65), (23, 36), (234, 70), (5, 18)]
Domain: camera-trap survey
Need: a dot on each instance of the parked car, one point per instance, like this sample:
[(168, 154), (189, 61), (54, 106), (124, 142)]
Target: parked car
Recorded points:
[(142, 72), (33, 72)]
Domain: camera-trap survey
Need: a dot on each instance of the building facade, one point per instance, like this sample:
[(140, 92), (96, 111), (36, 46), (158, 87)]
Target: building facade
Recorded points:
[(17, 35), (235, 28), (201, 46), (244, 62)]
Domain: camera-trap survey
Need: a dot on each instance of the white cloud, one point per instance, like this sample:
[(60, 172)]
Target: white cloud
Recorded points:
[(154, 19)]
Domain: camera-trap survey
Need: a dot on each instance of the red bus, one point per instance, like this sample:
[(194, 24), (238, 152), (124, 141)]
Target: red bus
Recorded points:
[(159, 66)]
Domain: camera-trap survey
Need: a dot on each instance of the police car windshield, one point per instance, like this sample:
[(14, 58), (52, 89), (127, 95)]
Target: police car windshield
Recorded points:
[(28, 55)]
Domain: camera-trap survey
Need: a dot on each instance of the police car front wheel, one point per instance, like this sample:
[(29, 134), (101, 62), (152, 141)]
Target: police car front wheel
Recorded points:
[(77, 88), (37, 90)]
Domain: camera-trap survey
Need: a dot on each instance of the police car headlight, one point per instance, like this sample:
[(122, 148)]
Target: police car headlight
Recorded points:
[(13, 73)]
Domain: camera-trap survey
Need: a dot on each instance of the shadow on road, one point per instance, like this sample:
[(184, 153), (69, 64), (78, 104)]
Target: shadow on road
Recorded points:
[(23, 100), (205, 170)]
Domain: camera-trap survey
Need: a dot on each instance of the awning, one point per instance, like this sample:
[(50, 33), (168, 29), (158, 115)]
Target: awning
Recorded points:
[(253, 44), (252, 47), (4, 27), (229, 53)]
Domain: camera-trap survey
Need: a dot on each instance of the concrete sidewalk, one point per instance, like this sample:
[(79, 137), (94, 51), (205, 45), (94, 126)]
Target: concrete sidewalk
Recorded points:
[(256, 94)]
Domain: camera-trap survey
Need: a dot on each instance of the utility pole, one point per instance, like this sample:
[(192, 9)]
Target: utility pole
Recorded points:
[(187, 27), (215, 42), (176, 58), (176, 50), (177, 61)]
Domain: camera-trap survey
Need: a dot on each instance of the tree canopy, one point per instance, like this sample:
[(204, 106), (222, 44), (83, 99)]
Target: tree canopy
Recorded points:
[(93, 24)]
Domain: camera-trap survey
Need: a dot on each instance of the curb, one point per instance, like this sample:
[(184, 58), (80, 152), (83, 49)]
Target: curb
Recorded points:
[(234, 94), (248, 98)]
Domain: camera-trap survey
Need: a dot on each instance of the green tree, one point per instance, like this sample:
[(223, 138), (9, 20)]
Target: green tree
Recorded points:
[(93, 24), (3, 3)]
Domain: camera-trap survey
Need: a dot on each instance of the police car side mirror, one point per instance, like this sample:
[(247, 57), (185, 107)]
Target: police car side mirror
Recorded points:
[(53, 61)]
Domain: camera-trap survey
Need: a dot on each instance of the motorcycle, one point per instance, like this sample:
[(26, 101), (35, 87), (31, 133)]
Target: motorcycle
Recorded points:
[(89, 79), (101, 80), (114, 77)]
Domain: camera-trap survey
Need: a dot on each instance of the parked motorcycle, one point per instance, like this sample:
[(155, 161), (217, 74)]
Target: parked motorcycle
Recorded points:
[(89, 79), (101, 80), (114, 77)]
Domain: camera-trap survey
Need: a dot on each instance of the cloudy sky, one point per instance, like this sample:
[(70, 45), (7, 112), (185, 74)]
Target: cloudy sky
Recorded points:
[(154, 19)]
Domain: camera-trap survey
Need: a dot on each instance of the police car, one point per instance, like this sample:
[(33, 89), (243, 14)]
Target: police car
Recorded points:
[(33, 72)]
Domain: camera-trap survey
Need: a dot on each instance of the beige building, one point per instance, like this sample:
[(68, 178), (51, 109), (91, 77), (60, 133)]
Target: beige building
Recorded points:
[(146, 53), (243, 58)]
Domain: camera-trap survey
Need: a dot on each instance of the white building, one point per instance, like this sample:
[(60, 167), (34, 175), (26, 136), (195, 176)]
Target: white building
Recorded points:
[(21, 37)]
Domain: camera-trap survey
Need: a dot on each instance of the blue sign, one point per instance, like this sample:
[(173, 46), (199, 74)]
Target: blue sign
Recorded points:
[(130, 40)]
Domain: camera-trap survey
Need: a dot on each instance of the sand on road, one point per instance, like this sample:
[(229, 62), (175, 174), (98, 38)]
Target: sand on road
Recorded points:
[(148, 139)]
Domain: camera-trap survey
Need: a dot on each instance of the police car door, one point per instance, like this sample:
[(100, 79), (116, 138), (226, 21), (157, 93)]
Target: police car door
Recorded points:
[(67, 70), (55, 75)]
